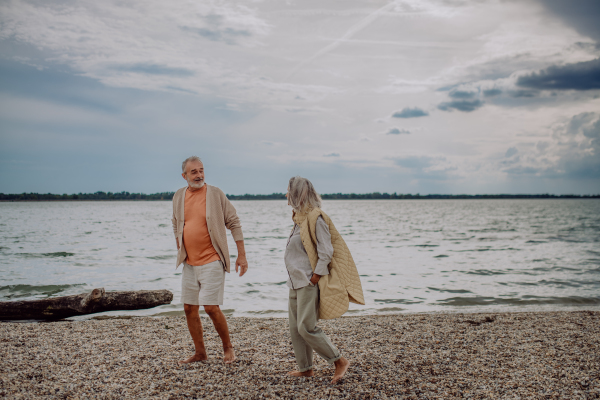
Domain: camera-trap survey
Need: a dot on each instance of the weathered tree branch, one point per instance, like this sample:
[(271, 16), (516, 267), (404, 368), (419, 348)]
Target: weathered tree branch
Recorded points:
[(86, 303)]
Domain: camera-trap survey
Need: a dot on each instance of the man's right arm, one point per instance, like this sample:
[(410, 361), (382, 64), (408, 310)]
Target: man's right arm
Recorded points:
[(174, 222)]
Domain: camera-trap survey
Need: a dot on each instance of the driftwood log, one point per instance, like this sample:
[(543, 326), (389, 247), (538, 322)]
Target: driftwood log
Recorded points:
[(86, 303)]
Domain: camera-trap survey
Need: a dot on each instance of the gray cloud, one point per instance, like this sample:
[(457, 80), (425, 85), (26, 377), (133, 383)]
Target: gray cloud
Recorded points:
[(582, 15), (511, 152), (581, 123), (579, 76), (524, 93), (461, 105), (217, 32), (572, 152), (397, 131), (462, 94), (154, 69), (408, 112), (331, 155), (226, 35), (492, 92), (521, 170), (542, 146), (419, 162), (425, 167)]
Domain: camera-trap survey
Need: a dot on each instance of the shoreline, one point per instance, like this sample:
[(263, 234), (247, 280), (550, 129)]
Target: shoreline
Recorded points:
[(551, 354), (282, 314)]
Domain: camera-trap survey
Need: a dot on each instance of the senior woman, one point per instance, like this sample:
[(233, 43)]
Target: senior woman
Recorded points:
[(315, 270)]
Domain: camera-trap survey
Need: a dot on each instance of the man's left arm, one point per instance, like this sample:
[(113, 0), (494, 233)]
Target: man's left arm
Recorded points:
[(232, 222)]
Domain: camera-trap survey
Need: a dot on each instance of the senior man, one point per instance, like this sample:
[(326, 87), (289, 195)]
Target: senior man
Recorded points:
[(200, 215)]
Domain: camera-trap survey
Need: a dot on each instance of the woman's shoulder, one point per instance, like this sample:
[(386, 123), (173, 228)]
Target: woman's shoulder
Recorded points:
[(319, 214)]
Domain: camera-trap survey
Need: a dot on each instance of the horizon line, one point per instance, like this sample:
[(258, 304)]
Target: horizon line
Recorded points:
[(124, 195)]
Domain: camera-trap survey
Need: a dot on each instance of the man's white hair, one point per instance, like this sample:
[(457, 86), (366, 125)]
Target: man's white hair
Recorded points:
[(184, 163), (302, 195)]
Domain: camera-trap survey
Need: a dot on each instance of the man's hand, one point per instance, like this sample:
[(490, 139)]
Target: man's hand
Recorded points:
[(242, 263), (315, 279)]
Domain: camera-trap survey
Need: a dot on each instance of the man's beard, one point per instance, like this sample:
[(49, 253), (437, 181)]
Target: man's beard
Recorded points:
[(196, 185)]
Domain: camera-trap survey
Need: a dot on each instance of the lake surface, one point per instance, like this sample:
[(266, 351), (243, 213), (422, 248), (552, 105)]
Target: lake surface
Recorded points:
[(412, 255)]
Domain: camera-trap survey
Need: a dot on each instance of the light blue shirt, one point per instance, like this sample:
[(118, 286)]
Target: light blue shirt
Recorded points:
[(296, 258)]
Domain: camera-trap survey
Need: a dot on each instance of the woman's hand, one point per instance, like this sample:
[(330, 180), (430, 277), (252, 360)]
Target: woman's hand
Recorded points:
[(315, 279)]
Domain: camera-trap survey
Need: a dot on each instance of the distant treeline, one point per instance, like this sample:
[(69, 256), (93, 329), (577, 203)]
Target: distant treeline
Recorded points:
[(86, 196), (281, 196)]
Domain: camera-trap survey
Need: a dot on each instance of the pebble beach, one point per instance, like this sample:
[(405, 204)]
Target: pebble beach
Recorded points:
[(543, 355)]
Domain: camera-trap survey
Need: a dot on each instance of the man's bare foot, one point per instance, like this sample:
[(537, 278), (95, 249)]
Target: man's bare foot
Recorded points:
[(341, 366), (229, 355), (299, 374), (195, 358)]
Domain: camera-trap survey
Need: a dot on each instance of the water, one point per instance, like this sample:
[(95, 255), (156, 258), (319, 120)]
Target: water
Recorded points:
[(413, 255)]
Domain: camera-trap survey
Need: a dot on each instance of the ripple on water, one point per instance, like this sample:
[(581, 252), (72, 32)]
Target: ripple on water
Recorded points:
[(10, 292), (520, 301), (450, 290), (397, 301), (558, 283), (486, 272), (50, 255), (165, 257)]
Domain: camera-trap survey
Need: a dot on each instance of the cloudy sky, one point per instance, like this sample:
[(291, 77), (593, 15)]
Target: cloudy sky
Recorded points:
[(404, 96)]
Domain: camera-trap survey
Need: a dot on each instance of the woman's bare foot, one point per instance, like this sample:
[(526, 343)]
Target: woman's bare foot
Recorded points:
[(299, 374), (229, 355), (341, 366), (195, 358)]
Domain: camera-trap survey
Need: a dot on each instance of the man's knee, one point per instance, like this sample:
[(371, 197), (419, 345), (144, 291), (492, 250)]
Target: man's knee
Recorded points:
[(212, 310), (190, 309)]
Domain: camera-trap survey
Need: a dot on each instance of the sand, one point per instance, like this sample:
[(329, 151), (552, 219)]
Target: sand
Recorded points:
[(425, 356)]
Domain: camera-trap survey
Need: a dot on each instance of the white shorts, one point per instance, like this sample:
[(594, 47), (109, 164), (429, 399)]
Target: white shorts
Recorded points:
[(203, 285)]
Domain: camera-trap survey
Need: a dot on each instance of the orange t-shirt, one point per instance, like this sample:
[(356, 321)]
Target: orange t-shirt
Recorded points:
[(196, 237)]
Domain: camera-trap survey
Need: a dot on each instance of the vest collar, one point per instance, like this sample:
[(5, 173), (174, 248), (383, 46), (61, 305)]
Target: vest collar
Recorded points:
[(299, 218)]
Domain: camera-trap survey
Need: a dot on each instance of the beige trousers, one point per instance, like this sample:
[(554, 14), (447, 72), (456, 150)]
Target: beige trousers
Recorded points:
[(306, 336)]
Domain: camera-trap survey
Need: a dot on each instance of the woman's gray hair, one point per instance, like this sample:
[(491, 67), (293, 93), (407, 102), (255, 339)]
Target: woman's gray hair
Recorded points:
[(302, 195), (184, 163)]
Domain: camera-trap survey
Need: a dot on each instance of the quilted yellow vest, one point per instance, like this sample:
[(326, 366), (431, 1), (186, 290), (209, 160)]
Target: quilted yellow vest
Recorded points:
[(342, 285)]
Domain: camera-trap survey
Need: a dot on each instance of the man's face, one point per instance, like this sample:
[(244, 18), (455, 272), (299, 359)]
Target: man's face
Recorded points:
[(194, 174)]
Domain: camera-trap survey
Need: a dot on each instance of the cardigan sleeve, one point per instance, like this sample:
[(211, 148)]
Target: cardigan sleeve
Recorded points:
[(232, 221), (174, 217)]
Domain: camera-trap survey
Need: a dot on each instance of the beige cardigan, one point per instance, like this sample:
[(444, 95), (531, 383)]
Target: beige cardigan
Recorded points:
[(342, 285), (220, 214)]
